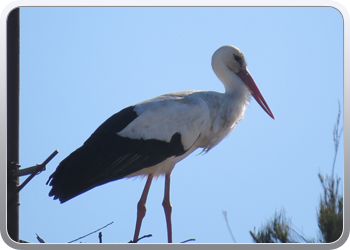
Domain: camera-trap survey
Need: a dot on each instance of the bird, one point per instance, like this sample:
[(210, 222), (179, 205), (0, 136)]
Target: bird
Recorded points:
[(148, 139)]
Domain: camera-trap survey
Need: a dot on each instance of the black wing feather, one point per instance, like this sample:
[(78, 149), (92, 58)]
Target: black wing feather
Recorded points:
[(105, 156)]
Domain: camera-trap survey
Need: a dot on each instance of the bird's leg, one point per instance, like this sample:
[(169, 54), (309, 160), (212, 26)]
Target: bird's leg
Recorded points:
[(141, 207), (167, 207)]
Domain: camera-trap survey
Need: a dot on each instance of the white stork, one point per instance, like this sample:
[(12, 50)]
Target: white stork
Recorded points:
[(149, 138)]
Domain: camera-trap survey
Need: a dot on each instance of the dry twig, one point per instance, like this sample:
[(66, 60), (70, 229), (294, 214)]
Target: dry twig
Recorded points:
[(91, 233)]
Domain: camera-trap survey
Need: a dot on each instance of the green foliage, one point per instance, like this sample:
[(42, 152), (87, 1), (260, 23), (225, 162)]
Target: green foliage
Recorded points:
[(276, 230), (279, 230), (330, 212)]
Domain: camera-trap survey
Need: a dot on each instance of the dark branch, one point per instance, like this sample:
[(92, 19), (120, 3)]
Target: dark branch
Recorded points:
[(34, 170), (187, 240), (100, 236), (145, 236), (39, 239), (91, 233)]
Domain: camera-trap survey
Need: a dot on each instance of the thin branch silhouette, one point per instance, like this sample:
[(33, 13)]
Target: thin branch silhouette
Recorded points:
[(336, 137), (91, 233), (224, 212), (145, 236), (100, 236), (39, 239), (187, 240)]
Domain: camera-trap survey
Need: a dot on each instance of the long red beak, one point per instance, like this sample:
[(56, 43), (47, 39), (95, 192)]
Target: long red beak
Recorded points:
[(254, 90)]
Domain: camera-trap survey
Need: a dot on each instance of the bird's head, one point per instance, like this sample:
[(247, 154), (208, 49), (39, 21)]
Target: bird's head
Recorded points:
[(230, 65), (232, 57)]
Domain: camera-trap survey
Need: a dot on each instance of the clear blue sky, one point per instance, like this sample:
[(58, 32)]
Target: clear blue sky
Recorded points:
[(81, 65)]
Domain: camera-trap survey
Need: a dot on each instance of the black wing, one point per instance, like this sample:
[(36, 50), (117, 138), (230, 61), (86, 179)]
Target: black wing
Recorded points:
[(106, 156)]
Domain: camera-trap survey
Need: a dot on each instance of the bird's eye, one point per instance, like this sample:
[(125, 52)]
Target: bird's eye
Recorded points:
[(238, 59)]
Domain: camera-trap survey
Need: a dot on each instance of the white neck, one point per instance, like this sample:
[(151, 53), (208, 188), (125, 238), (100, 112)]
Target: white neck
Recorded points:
[(234, 86), (236, 94)]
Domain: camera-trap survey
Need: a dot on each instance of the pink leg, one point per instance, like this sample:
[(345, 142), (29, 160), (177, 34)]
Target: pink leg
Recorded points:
[(167, 207), (141, 207)]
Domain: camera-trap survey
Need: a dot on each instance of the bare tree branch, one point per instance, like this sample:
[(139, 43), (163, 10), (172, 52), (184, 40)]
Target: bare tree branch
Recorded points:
[(100, 236), (34, 170), (336, 138), (224, 212), (91, 233), (145, 236), (39, 239), (187, 240)]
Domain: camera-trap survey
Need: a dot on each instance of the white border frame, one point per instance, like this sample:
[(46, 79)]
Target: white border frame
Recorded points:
[(187, 3)]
